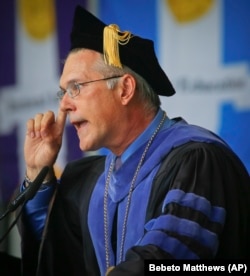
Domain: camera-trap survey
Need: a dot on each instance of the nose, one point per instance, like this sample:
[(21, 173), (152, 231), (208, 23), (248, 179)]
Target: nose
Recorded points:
[(67, 104)]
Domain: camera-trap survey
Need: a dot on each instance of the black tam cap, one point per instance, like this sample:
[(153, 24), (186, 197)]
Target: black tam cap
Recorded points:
[(120, 48)]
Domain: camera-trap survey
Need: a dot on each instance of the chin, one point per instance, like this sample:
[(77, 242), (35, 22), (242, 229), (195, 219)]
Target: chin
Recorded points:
[(88, 144), (85, 147)]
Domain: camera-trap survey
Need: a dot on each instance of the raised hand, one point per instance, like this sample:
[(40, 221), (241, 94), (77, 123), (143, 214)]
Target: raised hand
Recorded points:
[(43, 141)]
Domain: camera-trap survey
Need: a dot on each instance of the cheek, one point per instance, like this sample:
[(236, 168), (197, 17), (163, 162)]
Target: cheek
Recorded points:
[(103, 122), (98, 108), (105, 110)]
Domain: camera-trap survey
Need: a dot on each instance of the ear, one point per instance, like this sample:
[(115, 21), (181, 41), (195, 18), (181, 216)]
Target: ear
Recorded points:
[(128, 86)]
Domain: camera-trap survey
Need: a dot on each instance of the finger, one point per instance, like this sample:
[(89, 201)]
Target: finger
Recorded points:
[(48, 119), (37, 124), (30, 128), (61, 118)]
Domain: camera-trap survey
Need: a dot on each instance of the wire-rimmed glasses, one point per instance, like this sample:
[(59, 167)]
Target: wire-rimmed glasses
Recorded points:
[(74, 88)]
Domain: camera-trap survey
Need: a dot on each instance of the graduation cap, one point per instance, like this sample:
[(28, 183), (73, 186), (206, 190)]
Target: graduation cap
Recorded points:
[(120, 47)]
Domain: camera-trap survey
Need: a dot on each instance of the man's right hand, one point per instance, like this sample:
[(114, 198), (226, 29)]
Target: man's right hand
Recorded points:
[(43, 141)]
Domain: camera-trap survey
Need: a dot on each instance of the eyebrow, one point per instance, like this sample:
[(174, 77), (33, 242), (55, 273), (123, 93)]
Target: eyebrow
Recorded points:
[(68, 83)]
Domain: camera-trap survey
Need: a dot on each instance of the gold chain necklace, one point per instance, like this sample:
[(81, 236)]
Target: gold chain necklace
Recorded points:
[(124, 227)]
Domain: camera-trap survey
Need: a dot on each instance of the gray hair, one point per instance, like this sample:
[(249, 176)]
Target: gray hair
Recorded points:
[(146, 94)]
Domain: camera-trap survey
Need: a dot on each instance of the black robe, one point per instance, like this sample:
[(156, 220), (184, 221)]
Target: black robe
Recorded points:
[(67, 247)]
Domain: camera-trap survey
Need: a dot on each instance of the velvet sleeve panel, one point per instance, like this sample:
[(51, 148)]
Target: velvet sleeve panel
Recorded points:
[(198, 209)]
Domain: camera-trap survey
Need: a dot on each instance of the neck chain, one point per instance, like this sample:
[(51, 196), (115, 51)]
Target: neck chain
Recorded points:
[(124, 227)]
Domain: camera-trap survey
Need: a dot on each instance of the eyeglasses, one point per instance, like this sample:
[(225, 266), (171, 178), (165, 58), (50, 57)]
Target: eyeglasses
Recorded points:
[(74, 88)]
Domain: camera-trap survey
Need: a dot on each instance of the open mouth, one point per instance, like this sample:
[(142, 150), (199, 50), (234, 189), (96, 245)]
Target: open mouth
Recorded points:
[(78, 125)]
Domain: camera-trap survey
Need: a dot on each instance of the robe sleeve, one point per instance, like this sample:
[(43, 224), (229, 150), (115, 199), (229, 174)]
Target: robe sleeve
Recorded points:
[(203, 211), (65, 249), (36, 209)]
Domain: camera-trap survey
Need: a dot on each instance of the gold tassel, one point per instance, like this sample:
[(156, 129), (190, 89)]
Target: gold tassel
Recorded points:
[(112, 37)]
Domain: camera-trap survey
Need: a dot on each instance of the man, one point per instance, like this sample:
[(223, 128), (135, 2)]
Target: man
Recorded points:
[(166, 190)]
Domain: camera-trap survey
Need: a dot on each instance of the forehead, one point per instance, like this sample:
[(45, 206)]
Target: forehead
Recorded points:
[(79, 64)]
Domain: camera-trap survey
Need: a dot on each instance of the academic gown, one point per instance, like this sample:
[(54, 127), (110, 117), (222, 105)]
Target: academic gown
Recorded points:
[(193, 205)]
